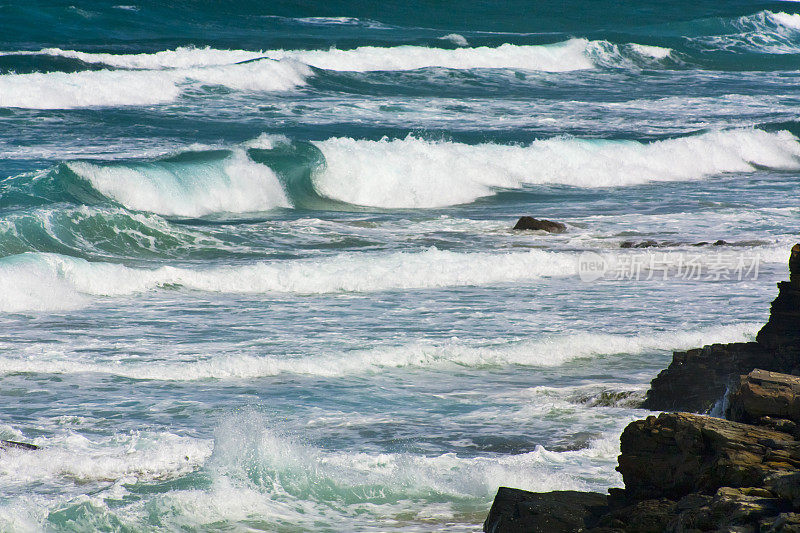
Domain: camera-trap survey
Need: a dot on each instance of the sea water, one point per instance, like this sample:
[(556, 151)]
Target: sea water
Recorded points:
[(257, 269)]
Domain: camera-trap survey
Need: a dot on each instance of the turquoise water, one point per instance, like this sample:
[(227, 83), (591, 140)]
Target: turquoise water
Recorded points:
[(256, 265)]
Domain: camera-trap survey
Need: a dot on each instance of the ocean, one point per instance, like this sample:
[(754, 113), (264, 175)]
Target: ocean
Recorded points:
[(257, 265)]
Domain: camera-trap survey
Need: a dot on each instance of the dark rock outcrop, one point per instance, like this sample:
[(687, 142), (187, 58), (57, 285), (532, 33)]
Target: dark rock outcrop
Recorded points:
[(520, 511), (530, 223), (783, 329), (697, 379)]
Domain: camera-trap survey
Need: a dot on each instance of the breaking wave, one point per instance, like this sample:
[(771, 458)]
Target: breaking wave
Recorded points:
[(273, 172), (412, 172), (207, 183), (161, 77), (62, 90)]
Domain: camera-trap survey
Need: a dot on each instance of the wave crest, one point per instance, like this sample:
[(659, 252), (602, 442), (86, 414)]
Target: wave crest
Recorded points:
[(230, 184), (414, 173)]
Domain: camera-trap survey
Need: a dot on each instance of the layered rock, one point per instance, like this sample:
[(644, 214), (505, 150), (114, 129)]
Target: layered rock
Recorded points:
[(769, 399), (676, 454), (698, 378)]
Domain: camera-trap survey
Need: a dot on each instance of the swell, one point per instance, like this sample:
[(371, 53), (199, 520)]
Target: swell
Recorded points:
[(187, 184), (552, 351), (765, 32), (568, 55)]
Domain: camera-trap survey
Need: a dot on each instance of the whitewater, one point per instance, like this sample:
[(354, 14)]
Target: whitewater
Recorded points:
[(258, 268)]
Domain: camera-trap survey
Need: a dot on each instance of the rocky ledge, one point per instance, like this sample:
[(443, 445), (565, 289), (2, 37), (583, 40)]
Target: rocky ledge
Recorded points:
[(686, 472)]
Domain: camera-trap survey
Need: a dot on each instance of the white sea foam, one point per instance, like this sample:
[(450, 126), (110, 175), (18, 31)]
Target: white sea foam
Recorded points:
[(344, 273), (349, 272), (656, 52), (234, 185), (165, 74), (555, 350), (141, 456), (339, 21), (412, 172), (786, 20), (59, 90), (300, 467), (264, 475)]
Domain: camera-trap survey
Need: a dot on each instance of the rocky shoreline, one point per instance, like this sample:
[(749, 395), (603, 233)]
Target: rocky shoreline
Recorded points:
[(689, 472)]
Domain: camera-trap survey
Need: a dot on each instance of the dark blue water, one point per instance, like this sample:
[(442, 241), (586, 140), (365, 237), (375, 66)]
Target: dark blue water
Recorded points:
[(256, 264)]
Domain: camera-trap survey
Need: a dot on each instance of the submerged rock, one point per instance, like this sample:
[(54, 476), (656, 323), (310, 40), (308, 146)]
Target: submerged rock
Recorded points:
[(530, 223), (640, 244), (611, 398), (4, 444), (666, 244)]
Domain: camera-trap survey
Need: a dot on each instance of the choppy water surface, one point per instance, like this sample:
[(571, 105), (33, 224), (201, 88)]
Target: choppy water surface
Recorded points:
[(256, 265)]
